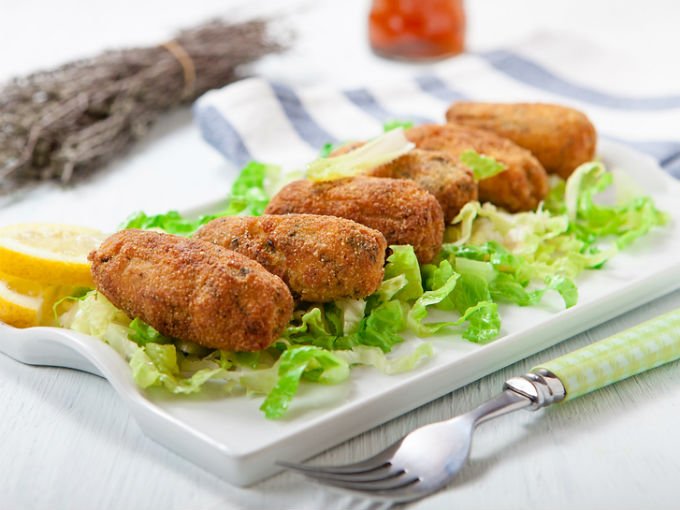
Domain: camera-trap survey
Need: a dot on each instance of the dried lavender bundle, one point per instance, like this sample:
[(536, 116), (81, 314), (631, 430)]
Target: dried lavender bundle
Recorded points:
[(65, 123)]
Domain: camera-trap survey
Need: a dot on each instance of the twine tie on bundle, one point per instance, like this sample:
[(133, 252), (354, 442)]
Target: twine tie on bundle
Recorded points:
[(188, 68)]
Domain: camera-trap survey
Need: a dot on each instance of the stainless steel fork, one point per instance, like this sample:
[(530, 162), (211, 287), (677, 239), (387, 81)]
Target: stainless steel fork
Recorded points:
[(431, 456)]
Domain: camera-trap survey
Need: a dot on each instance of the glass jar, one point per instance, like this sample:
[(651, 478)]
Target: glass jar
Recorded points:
[(417, 29)]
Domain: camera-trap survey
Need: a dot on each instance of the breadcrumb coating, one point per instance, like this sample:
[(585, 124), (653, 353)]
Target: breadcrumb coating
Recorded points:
[(320, 258), (192, 290)]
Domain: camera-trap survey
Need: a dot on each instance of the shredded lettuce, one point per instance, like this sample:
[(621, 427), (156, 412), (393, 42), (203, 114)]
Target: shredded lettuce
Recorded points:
[(143, 334), (352, 311), (250, 194), (542, 242), (403, 264), (308, 350), (171, 222), (252, 189), (482, 167), (312, 363), (376, 152), (590, 221), (374, 357), (382, 327), (570, 234), (396, 124), (418, 311), (465, 290), (157, 364), (326, 149), (156, 360), (489, 257)]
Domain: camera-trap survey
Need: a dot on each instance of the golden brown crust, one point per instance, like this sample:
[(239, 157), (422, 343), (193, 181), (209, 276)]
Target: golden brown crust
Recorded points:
[(321, 258), (519, 188), (452, 184), (192, 290), (403, 211), (561, 138)]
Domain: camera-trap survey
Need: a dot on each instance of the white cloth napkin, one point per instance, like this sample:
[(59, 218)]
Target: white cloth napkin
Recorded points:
[(277, 123)]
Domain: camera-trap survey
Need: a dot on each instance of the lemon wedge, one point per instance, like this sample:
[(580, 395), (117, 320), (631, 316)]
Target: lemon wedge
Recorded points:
[(24, 303), (21, 302), (51, 254)]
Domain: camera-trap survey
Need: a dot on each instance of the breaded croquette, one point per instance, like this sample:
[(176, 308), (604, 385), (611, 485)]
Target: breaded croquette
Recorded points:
[(403, 211), (192, 290), (520, 187), (321, 258), (561, 138), (452, 184)]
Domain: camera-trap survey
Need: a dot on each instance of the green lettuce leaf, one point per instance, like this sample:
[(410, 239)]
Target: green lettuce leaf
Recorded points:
[(396, 124), (403, 263), (465, 289), (157, 364), (315, 327), (376, 152), (418, 312), (316, 364), (326, 150), (591, 221), (482, 167), (484, 322), (171, 222), (381, 327), (351, 311), (143, 334), (252, 189)]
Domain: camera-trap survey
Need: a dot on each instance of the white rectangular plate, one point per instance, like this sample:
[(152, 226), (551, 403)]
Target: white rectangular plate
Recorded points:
[(231, 438)]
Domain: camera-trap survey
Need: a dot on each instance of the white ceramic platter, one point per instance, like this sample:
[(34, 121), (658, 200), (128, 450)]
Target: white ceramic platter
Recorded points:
[(230, 437)]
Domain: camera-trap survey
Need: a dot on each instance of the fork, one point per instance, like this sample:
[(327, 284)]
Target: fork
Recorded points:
[(428, 458)]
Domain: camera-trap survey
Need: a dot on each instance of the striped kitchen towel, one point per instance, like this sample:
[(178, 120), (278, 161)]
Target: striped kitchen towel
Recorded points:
[(278, 123)]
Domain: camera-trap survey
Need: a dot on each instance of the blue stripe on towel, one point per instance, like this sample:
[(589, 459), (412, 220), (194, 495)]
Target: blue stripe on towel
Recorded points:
[(367, 102), (527, 71), (438, 88), (303, 123), (672, 166), (219, 133), (663, 151)]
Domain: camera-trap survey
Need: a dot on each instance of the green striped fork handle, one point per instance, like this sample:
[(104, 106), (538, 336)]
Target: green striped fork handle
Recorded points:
[(646, 346)]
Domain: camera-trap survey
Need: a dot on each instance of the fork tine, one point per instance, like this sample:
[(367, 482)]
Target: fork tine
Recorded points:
[(404, 494), (398, 482), (358, 467), (377, 461), (379, 473)]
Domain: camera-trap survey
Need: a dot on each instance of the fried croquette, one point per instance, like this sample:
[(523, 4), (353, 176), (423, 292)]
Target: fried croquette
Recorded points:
[(452, 184), (192, 290), (520, 187), (561, 138), (321, 258), (403, 211)]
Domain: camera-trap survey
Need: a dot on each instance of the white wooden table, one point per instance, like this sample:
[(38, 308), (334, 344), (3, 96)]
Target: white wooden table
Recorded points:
[(66, 440)]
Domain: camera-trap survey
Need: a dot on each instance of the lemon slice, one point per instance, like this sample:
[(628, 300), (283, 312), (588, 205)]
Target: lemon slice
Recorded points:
[(48, 253), (24, 303), (21, 302)]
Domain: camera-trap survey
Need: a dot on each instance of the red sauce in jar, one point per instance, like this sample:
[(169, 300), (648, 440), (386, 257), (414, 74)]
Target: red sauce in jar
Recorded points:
[(417, 29)]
